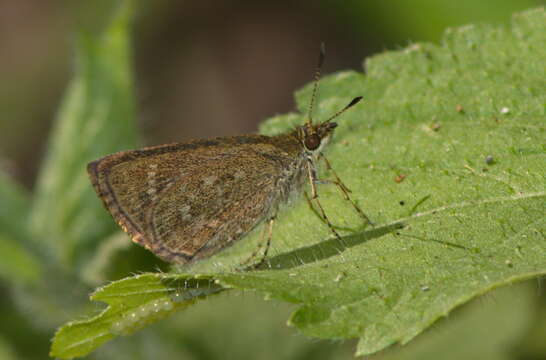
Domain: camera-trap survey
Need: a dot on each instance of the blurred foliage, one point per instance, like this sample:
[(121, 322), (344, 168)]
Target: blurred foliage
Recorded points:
[(421, 20), (37, 47), (58, 243)]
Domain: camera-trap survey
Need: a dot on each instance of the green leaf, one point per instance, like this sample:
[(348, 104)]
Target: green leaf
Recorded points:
[(446, 156), (96, 118), (264, 336), (133, 304)]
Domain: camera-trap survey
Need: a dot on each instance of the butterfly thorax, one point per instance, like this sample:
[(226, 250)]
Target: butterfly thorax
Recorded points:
[(304, 145)]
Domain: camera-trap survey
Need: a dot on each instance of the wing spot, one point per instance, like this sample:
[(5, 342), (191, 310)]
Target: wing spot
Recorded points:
[(219, 191), (151, 191), (213, 224), (151, 179), (185, 212), (210, 180), (239, 174)]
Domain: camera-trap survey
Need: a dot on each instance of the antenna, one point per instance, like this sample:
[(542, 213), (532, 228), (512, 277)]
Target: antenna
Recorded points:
[(352, 103), (322, 54)]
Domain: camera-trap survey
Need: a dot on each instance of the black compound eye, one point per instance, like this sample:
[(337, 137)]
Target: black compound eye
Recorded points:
[(312, 142)]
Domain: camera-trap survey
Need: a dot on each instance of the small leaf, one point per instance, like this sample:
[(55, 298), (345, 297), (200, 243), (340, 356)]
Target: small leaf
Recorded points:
[(133, 304)]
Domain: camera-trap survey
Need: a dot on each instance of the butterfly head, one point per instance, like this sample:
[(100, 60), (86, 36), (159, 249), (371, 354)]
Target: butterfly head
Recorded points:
[(314, 137)]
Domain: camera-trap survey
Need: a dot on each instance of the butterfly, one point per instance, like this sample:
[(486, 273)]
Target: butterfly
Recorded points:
[(187, 201)]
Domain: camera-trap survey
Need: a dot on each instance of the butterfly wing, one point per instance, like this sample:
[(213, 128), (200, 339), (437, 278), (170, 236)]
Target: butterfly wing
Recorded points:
[(188, 201)]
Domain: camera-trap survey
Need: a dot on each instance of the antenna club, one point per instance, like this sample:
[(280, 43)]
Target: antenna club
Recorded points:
[(355, 101)]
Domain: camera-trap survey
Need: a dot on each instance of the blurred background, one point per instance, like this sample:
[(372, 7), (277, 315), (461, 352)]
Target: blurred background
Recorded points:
[(205, 68), (202, 68)]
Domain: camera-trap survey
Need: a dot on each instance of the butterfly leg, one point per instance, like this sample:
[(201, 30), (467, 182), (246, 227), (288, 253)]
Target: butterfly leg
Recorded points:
[(268, 241), (269, 229), (314, 198), (344, 189)]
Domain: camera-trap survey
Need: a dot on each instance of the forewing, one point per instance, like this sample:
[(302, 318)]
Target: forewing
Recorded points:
[(187, 201)]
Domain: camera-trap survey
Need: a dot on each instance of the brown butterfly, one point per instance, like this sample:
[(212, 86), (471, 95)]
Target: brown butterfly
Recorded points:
[(188, 201)]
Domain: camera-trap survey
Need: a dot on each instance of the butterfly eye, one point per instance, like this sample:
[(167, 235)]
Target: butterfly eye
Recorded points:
[(312, 142)]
